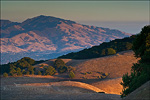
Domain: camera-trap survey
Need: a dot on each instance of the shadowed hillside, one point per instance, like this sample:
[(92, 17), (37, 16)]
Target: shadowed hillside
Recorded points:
[(104, 49), (141, 93)]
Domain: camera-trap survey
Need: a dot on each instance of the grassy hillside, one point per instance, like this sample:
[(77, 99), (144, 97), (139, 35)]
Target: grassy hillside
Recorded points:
[(104, 49), (31, 88), (114, 65)]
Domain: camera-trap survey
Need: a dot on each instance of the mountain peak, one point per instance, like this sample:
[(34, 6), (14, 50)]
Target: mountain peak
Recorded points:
[(44, 21)]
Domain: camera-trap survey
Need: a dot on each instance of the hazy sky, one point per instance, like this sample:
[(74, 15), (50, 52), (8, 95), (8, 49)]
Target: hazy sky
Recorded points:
[(128, 16)]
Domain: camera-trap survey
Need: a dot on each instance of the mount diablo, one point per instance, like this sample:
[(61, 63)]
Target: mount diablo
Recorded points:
[(46, 34)]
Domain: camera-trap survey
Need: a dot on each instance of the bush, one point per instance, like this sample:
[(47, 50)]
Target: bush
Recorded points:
[(58, 63), (71, 75), (23, 71), (27, 73), (50, 70), (32, 72), (12, 72), (62, 69), (99, 77), (89, 72), (19, 73), (111, 51), (103, 76), (39, 73), (106, 74), (5, 74)]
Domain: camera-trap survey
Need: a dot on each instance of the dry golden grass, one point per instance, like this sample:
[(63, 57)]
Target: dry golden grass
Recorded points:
[(55, 86), (35, 88), (114, 65), (66, 85), (111, 86)]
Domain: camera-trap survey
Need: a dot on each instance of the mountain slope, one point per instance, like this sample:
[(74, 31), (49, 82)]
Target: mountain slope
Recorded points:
[(55, 35)]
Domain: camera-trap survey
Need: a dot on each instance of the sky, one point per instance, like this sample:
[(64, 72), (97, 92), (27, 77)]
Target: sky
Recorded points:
[(127, 16)]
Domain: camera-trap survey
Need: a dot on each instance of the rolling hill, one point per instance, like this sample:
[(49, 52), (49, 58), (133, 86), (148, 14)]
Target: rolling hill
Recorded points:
[(114, 65)]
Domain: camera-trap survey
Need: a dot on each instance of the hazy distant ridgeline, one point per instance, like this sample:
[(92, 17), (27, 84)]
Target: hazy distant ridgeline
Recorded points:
[(48, 35)]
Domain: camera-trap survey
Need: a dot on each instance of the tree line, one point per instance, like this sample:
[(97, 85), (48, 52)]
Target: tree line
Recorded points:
[(20, 67), (25, 65), (104, 49), (140, 71)]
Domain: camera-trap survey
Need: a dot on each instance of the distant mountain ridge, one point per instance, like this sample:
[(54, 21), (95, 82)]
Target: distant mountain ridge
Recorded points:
[(53, 35)]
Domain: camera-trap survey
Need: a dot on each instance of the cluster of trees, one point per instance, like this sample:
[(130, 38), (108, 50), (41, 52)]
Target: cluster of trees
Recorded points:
[(104, 49), (23, 66), (140, 72), (49, 70), (61, 67)]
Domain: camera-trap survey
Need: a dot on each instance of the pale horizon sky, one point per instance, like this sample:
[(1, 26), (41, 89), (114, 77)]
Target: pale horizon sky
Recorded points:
[(128, 16)]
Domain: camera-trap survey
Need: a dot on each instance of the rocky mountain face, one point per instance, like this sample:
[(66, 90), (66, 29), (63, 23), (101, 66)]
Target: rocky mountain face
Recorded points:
[(52, 35)]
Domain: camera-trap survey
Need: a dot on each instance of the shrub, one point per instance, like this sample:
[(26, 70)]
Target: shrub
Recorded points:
[(50, 70), (103, 76), (19, 73), (27, 73), (58, 63), (5, 74), (39, 73), (106, 74), (111, 51), (23, 71), (12, 72), (89, 72), (71, 75), (99, 77), (32, 72), (62, 69)]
